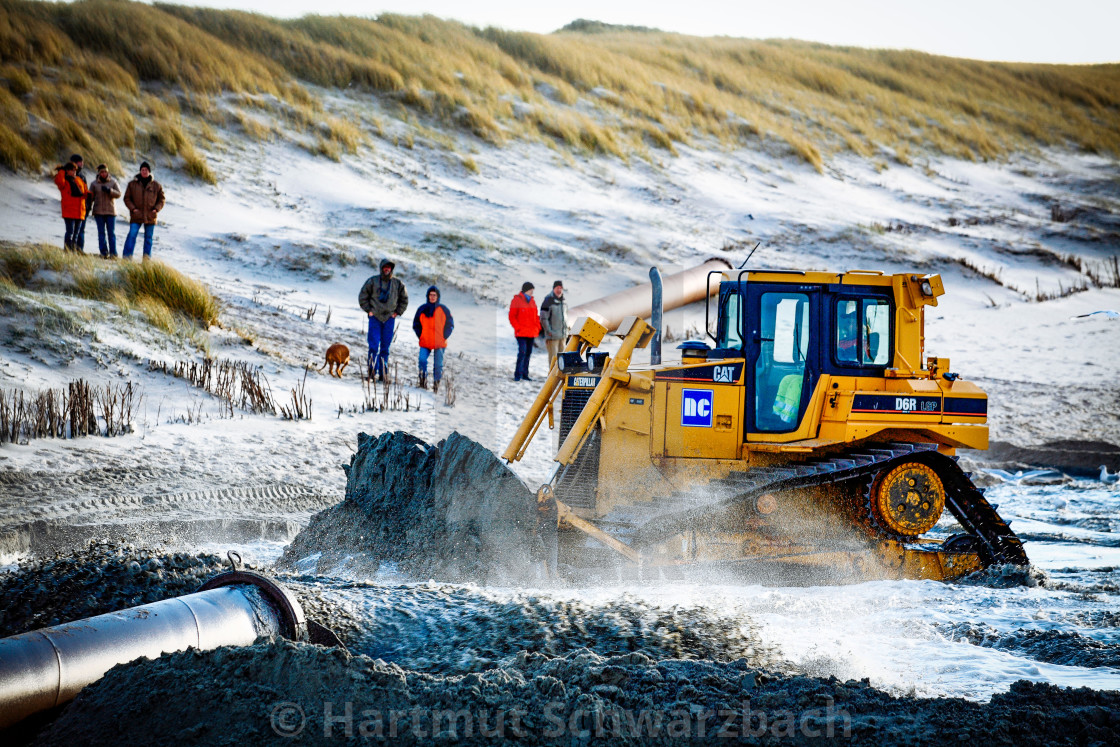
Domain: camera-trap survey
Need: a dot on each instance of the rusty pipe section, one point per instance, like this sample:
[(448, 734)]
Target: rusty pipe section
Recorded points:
[(47, 667), (678, 289)]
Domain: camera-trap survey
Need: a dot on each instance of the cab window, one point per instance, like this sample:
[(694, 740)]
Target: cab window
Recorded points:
[(863, 332), (784, 326), (730, 322)]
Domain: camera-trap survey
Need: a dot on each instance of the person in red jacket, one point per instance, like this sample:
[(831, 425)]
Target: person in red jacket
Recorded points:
[(74, 193), (433, 325), (526, 322)]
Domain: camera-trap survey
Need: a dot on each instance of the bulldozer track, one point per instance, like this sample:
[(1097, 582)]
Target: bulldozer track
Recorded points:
[(995, 540)]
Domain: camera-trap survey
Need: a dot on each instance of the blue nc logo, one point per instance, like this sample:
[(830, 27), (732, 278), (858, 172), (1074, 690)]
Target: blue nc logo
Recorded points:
[(696, 408)]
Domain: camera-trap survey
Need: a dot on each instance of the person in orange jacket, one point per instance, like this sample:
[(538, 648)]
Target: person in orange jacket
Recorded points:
[(526, 323), (74, 193), (433, 325)]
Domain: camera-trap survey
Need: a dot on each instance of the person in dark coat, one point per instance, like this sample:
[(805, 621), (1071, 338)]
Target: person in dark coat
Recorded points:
[(383, 298), (144, 199), (433, 325), (105, 191), (554, 321)]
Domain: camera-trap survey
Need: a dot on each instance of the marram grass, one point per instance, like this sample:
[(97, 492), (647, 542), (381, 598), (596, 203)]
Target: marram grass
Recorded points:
[(169, 298), (72, 76)]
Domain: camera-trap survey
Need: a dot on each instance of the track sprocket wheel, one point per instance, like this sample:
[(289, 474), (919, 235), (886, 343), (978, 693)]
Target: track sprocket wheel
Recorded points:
[(908, 500)]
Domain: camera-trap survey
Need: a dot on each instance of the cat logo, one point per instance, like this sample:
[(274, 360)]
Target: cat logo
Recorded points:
[(724, 374)]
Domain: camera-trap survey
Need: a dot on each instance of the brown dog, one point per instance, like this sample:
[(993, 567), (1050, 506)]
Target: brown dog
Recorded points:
[(338, 358)]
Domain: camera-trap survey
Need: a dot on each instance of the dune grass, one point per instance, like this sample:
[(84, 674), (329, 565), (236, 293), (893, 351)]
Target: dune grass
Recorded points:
[(169, 299), (589, 88)]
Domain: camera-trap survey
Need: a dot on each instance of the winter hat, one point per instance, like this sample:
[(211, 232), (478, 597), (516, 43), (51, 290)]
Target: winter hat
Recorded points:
[(526, 286), (145, 165), (76, 158), (102, 167), (558, 284)]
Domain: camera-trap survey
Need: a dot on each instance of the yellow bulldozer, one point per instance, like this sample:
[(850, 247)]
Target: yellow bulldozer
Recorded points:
[(809, 439)]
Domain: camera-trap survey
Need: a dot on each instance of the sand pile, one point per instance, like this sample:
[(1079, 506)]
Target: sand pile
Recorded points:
[(453, 629), (452, 664), (102, 577), (1083, 458), (254, 695), (1055, 646), (451, 511), (426, 628)]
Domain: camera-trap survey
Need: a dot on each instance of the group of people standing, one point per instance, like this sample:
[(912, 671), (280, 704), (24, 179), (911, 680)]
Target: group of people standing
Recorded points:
[(143, 197), (551, 321), (384, 299)]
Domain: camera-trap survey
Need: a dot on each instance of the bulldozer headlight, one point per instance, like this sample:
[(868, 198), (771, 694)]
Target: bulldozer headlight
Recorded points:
[(595, 362), (927, 289), (570, 362)]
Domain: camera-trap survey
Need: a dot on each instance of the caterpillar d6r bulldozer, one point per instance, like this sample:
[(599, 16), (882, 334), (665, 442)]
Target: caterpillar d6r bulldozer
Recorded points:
[(812, 442)]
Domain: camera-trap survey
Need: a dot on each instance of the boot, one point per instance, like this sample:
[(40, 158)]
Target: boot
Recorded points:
[(435, 386), (423, 381)]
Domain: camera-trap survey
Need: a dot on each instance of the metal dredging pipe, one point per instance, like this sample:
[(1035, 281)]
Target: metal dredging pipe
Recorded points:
[(47, 667)]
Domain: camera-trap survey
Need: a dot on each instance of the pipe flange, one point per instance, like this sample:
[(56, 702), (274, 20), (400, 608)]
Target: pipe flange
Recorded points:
[(292, 619)]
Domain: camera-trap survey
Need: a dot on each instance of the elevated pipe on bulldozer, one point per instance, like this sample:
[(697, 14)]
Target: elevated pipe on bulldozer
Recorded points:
[(679, 289)]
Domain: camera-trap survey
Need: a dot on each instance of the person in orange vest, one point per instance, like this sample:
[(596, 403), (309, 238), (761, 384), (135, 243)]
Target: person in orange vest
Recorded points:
[(433, 325), (74, 192), (526, 323)]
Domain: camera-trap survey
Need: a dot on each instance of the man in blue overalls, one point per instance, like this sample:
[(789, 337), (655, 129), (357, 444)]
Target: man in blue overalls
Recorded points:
[(383, 298)]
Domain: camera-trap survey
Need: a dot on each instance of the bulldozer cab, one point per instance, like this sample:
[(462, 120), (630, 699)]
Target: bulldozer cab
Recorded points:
[(790, 332)]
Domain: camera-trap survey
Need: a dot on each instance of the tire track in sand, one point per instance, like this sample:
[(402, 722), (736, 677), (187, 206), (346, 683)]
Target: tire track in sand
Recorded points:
[(277, 501)]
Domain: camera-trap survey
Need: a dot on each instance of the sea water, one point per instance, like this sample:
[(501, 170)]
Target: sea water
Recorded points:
[(1058, 624)]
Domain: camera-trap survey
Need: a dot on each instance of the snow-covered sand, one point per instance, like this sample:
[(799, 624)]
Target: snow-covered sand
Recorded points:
[(285, 232)]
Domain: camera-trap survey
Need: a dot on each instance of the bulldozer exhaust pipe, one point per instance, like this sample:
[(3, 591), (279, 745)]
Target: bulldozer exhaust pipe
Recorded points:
[(658, 315), (47, 667)]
